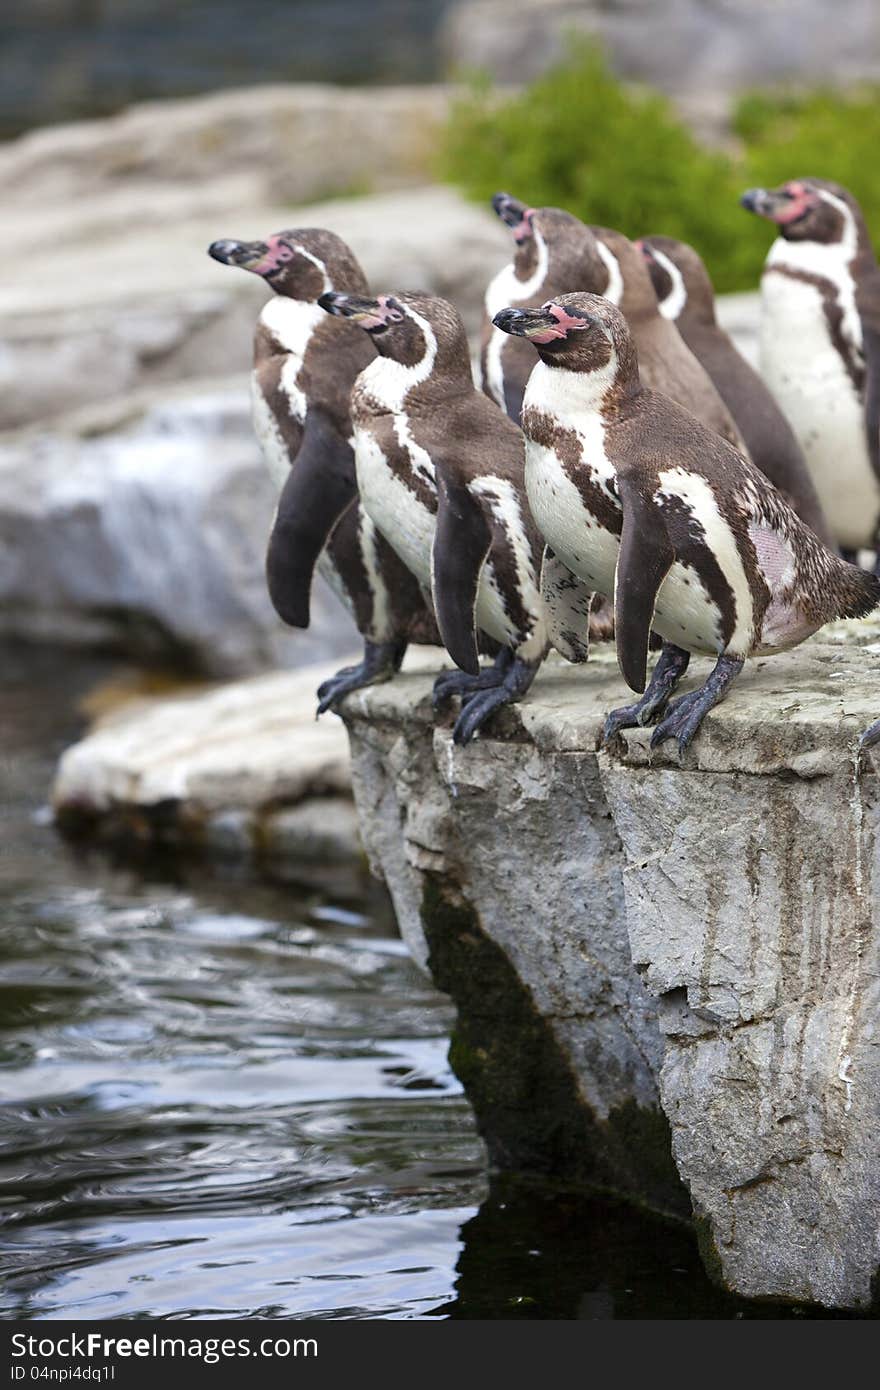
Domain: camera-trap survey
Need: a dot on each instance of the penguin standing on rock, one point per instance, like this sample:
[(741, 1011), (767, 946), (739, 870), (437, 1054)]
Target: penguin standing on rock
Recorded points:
[(667, 363), (555, 252), (685, 296), (440, 472), (304, 367), (642, 502), (820, 345)]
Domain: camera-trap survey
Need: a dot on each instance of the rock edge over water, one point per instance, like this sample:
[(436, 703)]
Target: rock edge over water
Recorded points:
[(682, 952)]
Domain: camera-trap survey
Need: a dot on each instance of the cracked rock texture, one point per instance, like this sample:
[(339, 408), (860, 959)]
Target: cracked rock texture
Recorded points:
[(666, 955)]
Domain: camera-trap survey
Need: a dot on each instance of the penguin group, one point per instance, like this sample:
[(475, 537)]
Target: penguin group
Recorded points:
[(619, 472)]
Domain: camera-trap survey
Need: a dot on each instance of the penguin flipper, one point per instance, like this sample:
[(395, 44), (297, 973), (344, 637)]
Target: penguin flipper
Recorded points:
[(320, 486), (644, 560), (567, 600), (461, 543)]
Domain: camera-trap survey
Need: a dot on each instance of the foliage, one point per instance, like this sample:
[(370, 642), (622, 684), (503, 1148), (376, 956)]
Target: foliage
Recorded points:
[(578, 138)]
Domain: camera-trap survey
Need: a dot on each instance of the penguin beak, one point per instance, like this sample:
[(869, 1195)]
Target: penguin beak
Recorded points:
[(514, 214), (540, 326), (245, 254), (266, 258), (756, 200), (374, 315)]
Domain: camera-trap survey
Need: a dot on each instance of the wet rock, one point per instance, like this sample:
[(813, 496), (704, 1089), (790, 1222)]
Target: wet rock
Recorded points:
[(148, 535), (241, 771), (682, 952)]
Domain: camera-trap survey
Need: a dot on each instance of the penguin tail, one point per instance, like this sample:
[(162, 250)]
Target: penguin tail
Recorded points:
[(861, 593)]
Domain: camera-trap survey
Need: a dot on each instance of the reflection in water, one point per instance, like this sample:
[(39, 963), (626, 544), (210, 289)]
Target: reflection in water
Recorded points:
[(223, 1098)]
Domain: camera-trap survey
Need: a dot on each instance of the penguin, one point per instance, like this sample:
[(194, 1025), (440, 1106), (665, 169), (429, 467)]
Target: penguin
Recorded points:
[(685, 296), (667, 363), (820, 345), (304, 368), (637, 499), (557, 254), (440, 472)]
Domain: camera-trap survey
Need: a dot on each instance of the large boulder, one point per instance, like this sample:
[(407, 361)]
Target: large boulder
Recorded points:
[(242, 772), (129, 298), (147, 534), (660, 963)]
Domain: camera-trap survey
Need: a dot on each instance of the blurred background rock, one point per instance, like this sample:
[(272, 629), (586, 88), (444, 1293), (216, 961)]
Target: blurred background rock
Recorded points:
[(133, 503)]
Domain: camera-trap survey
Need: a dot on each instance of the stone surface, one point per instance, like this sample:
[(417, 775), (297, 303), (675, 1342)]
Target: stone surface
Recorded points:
[(241, 771), (689, 943), (131, 299), (699, 51), (148, 534)]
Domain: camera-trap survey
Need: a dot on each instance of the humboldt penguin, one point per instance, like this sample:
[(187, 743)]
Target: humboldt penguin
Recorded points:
[(820, 345), (304, 368), (686, 297), (640, 501), (558, 254), (555, 252), (440, 472), (666, 362)]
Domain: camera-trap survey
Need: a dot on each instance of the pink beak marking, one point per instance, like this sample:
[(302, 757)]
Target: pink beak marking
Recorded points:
[(278, 254), (798, 205), (523, 229), (564, 321)]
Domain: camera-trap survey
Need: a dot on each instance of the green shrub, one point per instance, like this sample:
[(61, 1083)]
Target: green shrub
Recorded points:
[(577, 138)]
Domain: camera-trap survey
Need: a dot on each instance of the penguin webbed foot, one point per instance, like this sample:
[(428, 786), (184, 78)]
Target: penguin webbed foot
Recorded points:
[(685, 715), (451, 683), (381, 661), (479, 705), (668, 671)]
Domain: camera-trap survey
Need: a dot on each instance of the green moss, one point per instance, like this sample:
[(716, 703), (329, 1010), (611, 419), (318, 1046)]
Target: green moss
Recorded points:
[(529, 1109), (619, 156)]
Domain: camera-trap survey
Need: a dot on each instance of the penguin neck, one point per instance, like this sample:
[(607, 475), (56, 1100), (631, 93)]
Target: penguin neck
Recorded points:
[(678, 306), (568, 394), (521, 279), (614, 288), (441, 370)]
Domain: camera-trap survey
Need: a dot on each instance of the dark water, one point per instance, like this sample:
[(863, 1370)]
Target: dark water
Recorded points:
[(222, 1098), (66, 59)]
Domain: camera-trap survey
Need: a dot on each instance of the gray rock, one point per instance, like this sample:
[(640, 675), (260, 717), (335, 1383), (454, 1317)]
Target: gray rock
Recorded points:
[(698, 51), (241, 772), (129, 298), (150, 537), (649, 942)]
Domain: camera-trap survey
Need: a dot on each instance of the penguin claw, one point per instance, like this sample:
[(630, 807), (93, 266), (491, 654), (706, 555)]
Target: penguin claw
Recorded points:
[(451, 683), (381, 662), (477, 710), (681, 722)]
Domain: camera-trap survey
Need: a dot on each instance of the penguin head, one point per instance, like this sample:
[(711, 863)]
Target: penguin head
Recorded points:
[(579, 331), (567, 245), (805, 209), (408, 327), (300, 264), (680, 279)]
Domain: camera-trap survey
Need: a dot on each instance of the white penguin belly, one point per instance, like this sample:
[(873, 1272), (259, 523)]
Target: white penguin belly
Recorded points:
[(807, 376), (269, 436), (407, 525), (685, 613), (409, 528)]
